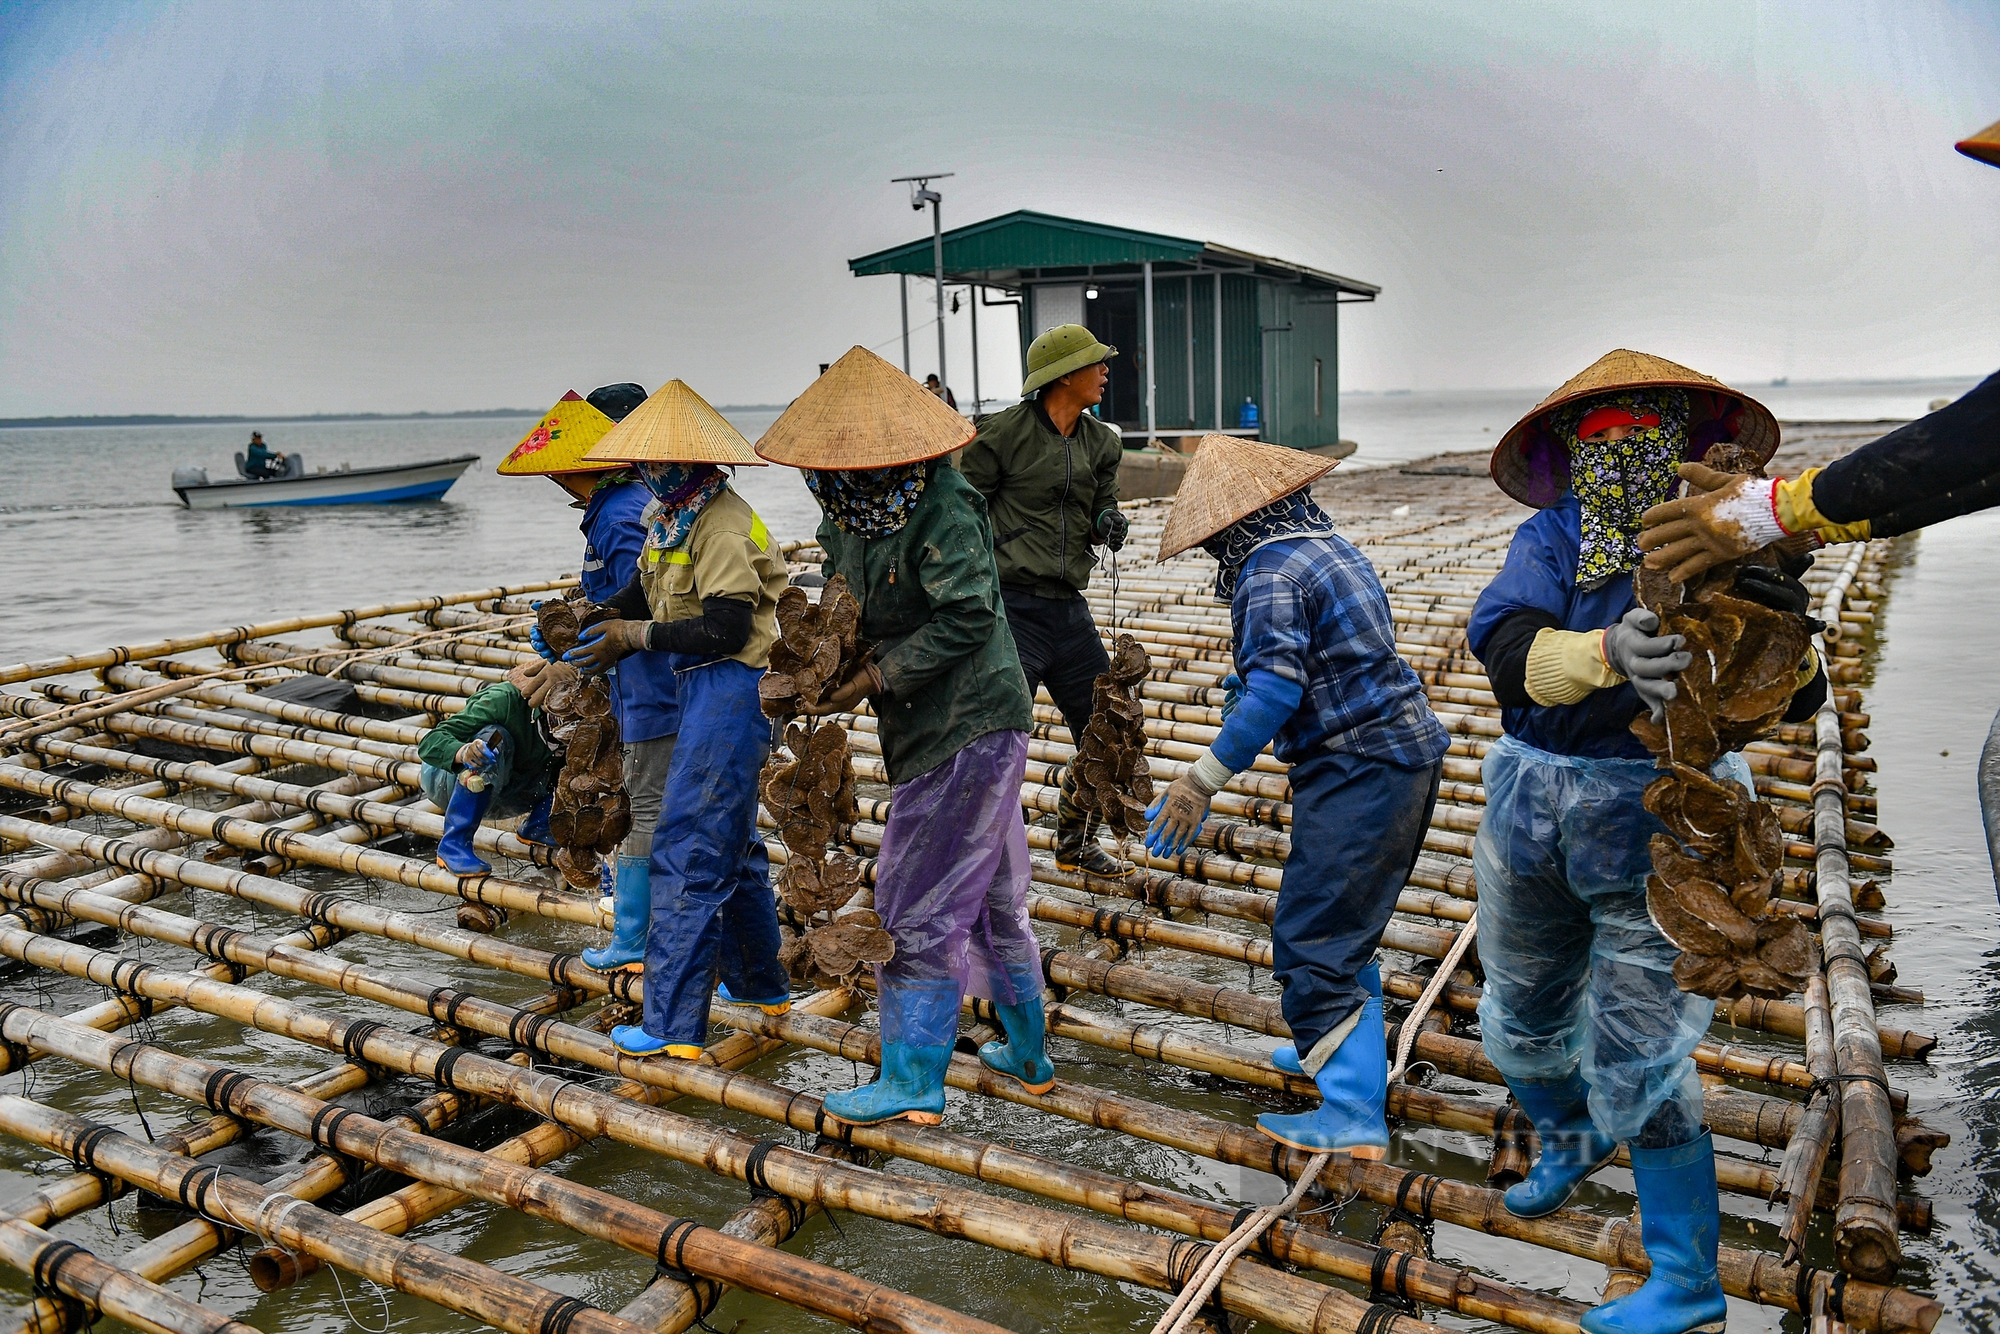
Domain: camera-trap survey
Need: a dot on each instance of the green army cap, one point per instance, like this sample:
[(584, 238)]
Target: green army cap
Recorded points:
[(1065, 348)]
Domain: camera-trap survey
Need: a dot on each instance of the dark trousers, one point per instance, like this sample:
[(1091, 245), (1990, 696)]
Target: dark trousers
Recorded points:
[(1357, 826), (1059, 648)]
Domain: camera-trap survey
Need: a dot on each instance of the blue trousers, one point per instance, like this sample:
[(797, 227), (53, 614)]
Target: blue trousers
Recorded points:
[(713, 911), (438, 783), (1577, 975), (1357, 826)]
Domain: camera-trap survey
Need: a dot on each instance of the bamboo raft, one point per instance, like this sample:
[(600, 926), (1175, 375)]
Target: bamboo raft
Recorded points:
[(134, 801)]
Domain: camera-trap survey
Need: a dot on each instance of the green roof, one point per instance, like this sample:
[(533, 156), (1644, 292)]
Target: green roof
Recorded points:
[(1024, 246)]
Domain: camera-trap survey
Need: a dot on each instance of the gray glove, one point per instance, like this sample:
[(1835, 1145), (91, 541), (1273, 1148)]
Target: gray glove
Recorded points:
[(1636, 650)]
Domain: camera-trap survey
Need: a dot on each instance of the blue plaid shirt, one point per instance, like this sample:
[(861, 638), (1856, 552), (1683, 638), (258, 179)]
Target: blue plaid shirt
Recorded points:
[(1312, 610)]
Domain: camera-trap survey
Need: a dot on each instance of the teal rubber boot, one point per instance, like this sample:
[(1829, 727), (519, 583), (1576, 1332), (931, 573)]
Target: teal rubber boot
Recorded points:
[(1354, 1094), (461, 821), (634, 1040), (1024, 1054), (1680, 1221), (769, 1004), (1286, 1057), (1572, 1147), (631, 911), (911, 1086)]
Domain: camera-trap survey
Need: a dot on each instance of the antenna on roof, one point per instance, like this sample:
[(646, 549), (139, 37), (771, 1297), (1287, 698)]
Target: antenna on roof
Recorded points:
[(921, 194)]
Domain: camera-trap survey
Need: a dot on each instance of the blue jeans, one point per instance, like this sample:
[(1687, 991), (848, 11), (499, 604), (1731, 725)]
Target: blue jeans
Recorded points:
[(438, 783), (713, 910), (1357, 826)]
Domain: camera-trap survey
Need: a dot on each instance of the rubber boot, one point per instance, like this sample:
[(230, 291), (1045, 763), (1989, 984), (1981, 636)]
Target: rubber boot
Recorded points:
[(631, 910), (535, 829), (1286, 1057), (771, 1005), (911, 1086), (1680, 1222), (633, 1040), (1024, 1054), (1572, 1147), (461, 821), (1354, 1095), (1077, 848)]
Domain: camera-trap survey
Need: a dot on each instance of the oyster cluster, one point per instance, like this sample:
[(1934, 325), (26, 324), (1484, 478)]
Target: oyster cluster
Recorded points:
[(817, 647), (590, 814), (807, 787), (1713, 880), (1113, 782)]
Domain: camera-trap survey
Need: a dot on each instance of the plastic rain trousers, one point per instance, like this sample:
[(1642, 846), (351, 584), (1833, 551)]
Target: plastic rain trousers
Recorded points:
[(952, 888), (713, 910), (1577, 975)]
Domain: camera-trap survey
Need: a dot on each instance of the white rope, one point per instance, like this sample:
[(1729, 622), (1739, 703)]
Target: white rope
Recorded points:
[(1407, 1042), (1205, 1279)]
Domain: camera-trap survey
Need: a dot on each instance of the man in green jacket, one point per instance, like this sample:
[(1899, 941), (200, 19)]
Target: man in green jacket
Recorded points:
[(1049, 472), (491, 758)]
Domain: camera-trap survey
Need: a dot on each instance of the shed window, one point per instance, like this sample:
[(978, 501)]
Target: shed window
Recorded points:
[(1319, 378)]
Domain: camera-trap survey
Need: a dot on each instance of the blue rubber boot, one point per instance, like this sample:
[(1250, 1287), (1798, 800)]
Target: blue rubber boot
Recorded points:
[(769, 1005), (633, 1040), (535, 829), (461, 821), (1680, 1221), (1024, 1054), (631, 910), (911, 1086), (1354, 1095), (1286, 1058), (1572, 1147)]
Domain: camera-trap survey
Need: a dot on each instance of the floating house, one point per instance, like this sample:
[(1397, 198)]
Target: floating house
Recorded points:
[(1200, 328)]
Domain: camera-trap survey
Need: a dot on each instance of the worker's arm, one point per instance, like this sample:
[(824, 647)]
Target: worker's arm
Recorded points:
[(629, 602), (722, 628), (1108, 523), (954, 567), (980, 463), (499, 703)]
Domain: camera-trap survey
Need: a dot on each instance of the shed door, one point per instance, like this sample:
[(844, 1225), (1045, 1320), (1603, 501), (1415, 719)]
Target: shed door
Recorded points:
[(1058, 305)]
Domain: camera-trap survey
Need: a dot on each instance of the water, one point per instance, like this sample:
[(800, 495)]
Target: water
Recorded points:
[(99, 553)]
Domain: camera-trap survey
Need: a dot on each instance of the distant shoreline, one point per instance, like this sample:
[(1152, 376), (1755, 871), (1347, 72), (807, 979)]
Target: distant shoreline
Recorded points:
[(163, 419)]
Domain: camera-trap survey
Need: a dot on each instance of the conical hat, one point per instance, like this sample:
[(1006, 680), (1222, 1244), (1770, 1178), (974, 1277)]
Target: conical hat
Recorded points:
[(1985, 145), (1232, 477), (559, 441), (1532, 466), (675, 425), (863, 413)]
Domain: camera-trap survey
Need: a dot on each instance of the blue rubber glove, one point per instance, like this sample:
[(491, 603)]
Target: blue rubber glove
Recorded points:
[(1232, 694), (600, 646), (539, 644)]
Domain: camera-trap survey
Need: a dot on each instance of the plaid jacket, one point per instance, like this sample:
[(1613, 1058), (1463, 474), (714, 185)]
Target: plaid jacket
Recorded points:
[(1311, 610)]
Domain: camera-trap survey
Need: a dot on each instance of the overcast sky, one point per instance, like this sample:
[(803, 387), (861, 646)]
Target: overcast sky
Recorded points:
[(277, 208)]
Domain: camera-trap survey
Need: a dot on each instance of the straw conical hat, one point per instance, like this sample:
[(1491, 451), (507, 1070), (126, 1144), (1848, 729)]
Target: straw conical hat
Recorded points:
[(559, 440), (863, 413), (1230, 478), (1985, 145), (675, 425), (1532, 466)]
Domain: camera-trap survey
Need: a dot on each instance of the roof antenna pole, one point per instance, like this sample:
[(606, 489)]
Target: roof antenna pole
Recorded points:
[(903, 282), (921, 194)]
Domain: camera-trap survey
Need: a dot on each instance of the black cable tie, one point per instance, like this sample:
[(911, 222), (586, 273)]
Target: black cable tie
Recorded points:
[(559, 966), (1836, 1297), (1802, 1289), (1376, 1319), (356, 1037), (525, 1029), (221, 1087), (441, 1073), (1184, 1257), (561, 1313)]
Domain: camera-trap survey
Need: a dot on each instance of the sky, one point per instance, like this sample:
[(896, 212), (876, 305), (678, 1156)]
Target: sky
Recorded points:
[(259, 208)]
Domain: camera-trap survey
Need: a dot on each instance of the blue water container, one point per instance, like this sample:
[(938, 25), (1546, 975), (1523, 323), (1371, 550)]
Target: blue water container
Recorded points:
[(1246, 417)]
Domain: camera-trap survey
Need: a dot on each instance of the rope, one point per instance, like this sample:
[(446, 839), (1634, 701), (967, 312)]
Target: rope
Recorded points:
[(1205, 1279), (1407, 1041)]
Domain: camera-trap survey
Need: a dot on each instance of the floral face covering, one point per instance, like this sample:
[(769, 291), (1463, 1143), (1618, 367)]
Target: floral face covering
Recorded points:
[(870, 502), (1617, 481), (683, 490), (1295, 515)]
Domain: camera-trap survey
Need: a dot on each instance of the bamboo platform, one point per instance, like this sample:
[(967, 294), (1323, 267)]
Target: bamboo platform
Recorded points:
[(185, 841)]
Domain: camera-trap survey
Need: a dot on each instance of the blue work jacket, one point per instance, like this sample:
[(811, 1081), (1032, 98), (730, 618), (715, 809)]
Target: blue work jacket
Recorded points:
[(613, 532), (1540, 575)]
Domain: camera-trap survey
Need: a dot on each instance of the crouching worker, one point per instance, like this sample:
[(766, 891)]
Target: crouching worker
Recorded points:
[(706, 595), (491, 759), (952, 706), (1580, 1010), (1322, 684)]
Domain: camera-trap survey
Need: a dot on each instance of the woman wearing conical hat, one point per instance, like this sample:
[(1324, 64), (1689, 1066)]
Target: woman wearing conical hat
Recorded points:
[(951, 880), (1322, 685), (705, 594), (1580, 1010)]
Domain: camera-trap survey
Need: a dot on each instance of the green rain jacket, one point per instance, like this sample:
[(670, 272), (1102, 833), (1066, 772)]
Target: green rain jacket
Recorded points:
[(1045, 493), (930, 603), (534, 763)]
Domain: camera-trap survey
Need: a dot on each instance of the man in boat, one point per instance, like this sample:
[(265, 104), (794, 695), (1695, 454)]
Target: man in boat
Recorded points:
[(705, 593), (491, 758), (1936, 468), (951, 882), (616, 514), (1322, 684), (260, 461), (1049, 472), (1581, 1010)]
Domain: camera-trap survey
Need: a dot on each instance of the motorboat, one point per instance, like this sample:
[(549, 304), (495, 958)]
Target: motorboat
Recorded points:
[(297, 485)]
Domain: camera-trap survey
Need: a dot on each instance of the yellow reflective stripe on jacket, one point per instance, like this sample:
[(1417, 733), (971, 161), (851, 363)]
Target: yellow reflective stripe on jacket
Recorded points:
[(759, 533), (673, 557)]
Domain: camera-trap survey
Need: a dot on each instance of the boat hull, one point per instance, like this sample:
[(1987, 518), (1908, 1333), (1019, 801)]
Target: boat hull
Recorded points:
[(360, 486)]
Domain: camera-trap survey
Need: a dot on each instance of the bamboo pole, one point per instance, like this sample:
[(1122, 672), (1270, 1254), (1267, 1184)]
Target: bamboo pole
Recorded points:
[(101, 1289), (1805, 1156)]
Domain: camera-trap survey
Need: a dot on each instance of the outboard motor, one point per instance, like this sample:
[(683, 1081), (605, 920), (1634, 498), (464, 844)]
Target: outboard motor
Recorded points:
[(190, 475)]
